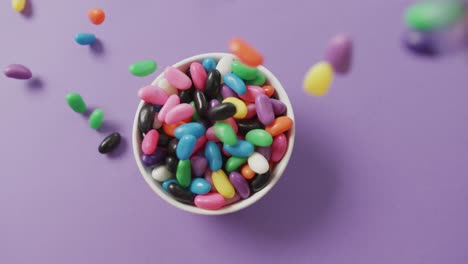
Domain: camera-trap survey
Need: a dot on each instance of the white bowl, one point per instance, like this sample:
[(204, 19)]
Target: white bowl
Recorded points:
[(241, 204)]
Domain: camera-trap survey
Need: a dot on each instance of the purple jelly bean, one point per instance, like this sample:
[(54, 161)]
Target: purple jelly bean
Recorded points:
[(265, 151), (214, 103), (17, 71), (264, 109), (227, 92), (279, 107), (240, 184), (199, 165), (340, 52), (154, 159), (422, 43)]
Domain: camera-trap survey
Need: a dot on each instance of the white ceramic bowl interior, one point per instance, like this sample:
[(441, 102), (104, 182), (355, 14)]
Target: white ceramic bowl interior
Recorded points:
[(276, 173)]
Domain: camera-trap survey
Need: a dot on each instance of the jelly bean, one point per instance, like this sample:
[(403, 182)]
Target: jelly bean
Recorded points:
[(208, 178), (85, 38), (421, 43), (200, 185), (240, 184), (232, 200), (227, 92), (146, 118), (167, 87), (318, 79), (156, 123), (222, 111), (163, 140), (233, 163), (199, 75), (259, 137), (224, 65), (179, 113), (18, 5), (186, 96), (96, 16), (243, 71), (213, 103), (96, 118), (279, 147), (225, 133), (172, 146), (195, 116), (171, 163), (339, 53), (258, 81), (150, 142), (110, 143), (17, 71), (280, 125), (156, 158), (165, 184), (171, 102), (211, 201), (235, 83), (247, 172), (241, 149), (201, 142), (265, 151), (213, 156), (170, 128), (246, 125), (201, 104), (245, 52), (195, 129), (76, 103), (260, 181), (241, 108), (209, 64), (161, 173), (252, 92), (210, 135), (213, 83), (199, 165), (279, 107), (177, 78), (233, 123), (222, 184), (184, 173), (264, 108), (258, 163), (153, 94), (142, 68), (251, 111), (269, 90), (433, 15), (185, 147), (180, 194)]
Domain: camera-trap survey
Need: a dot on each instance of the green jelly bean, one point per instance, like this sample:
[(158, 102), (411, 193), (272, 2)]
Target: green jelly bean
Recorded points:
[(233, 163), (259, 137), (75, 101), (433, 15), (258, 81), (195, 116), (184, 173), (95, 119), (243, 71), (143, 68), (225, 133)]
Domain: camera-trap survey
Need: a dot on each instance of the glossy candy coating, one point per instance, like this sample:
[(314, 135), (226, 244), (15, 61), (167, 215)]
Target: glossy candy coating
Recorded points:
[(96, 118), (180, 194), (110, 143), (184, 173), (200, 186), (96, 16), (76, 102), (85, 38), (17, 71), (222, 184), (245, 52)]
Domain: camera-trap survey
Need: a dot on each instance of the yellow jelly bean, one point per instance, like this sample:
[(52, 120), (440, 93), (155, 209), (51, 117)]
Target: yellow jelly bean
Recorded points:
[(222, 184), (319, 78), (18, 5), (240, 107)]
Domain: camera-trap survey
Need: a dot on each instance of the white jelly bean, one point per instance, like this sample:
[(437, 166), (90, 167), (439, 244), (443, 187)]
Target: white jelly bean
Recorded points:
[(167, 87), (258, 163), (224, 65), (161, 173)]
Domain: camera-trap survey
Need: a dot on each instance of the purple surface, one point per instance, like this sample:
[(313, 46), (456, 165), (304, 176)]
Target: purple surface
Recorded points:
[(378, 175)]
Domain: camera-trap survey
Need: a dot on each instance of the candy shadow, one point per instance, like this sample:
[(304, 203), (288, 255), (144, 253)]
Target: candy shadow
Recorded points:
[(97, 48), (121, 149), (35, 84), (28, 11)]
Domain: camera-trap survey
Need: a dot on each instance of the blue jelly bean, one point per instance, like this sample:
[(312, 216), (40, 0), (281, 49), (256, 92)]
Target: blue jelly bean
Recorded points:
[(185, 147), (85, 38), (235, 83), (195, 129), (213, 156), (209, 64), (241, 149), (166, 183), (200, 186)]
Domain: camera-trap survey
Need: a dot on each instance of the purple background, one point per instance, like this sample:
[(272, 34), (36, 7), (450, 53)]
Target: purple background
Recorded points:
[(378, 174)]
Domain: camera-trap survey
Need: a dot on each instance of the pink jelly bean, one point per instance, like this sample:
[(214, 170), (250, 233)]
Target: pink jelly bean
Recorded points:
[(177, 78), (233, 124), (179, 113), (150, 142), (210, 135), (252, 92), (171, 102), (199, 75), (251, 111), (231, 200), (210, 201), (279, 147), (152, 94), (200, 144)]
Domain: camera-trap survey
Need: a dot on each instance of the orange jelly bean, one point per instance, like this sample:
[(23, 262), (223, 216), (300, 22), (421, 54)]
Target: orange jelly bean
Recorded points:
[(279, 125), (96, 16), (169, 129), (245, 52), (269, 90), (247, 172)]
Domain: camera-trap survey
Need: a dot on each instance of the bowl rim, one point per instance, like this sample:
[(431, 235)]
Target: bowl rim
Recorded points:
[(276, 174)]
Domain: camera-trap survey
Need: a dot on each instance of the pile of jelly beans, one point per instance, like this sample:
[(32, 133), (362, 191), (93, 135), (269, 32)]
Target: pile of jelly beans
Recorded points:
[(212, 134)]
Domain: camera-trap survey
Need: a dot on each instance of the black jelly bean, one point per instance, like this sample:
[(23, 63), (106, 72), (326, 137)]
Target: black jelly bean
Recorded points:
[(246, 125), (222, 111), (213, 84), (186, 95), (164, 139), (201, 104), (172, 146), (146, 118), (171, 163), (110, 143), (259, 181), (180, 194), (157, 108)]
